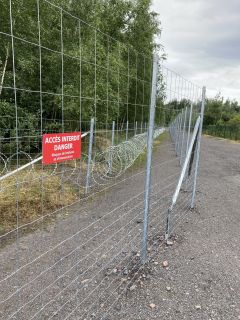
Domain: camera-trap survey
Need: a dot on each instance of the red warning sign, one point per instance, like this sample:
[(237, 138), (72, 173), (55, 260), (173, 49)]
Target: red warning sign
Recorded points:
[(61, 147)]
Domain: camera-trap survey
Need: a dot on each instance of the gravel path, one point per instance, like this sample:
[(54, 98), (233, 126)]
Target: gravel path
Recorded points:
[(203, 278), (90, 253)]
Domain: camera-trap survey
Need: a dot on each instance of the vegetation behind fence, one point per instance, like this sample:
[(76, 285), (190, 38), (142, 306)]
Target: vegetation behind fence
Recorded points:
[(226, 131)]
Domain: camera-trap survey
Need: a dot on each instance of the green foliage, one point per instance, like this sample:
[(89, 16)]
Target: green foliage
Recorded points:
[(218, 111), (124, 45), (26, 125), (226, 131), (222, 118), (167, 112), (235, 120)]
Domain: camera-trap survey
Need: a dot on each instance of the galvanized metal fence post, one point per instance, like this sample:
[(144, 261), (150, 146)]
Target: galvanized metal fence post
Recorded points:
[(181, 178), (177, 130), (174, 131), (127, 131), (89, 166), (183, 134), (198, 148), (111, 149), (189, 126), (179, 124), (149, 159), (188, 135), (135, 128), (180, 136)]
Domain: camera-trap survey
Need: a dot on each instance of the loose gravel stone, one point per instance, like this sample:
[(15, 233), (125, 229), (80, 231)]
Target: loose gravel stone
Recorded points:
[(165, 264)]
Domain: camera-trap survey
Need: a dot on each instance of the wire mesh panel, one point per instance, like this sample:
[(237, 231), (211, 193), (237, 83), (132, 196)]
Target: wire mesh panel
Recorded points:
[(184, 103), (71, 232)]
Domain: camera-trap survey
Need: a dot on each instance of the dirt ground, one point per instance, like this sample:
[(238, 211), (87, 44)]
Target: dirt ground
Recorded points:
[(77, 267)]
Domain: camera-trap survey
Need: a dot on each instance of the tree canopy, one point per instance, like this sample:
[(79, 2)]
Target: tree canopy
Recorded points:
[(90, 58), (219, 111)]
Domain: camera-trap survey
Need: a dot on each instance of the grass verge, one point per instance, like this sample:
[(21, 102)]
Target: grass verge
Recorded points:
[(31, 195), (28, 197)]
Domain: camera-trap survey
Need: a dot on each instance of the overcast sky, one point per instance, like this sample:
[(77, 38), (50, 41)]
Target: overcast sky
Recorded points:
[(202, 42)]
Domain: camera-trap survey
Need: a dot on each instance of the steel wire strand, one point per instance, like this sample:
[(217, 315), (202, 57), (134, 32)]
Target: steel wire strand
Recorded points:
[(112, 281), (65, 274), (178, 222), (86, 198), (142, 267), (101, 294), (60, 209), (70, 253), (90, 280), (85, 271), (166, 187), (132, 239), (136, 265), (65, 240)]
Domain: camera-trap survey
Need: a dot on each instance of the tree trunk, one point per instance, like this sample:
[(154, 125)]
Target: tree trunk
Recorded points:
[(4, 70)]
